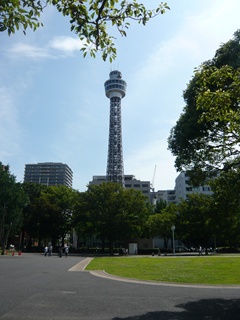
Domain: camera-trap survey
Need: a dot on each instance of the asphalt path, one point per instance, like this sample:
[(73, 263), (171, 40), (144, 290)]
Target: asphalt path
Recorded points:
[(51, 288)]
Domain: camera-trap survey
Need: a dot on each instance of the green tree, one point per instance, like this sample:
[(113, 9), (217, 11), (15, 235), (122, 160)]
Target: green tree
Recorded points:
[(205, 139), (226, 197), (16, 14), (32, 213), (160, 205), (58, 205), (12, 201), (159, 224), (111, 212), (197, 220), (135, 212), (89, 19), (82, 225), (48, 217)]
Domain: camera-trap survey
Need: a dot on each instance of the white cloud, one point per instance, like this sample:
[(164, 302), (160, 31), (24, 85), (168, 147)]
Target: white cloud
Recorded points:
[(57, 47), (29, 51), (66, 44)]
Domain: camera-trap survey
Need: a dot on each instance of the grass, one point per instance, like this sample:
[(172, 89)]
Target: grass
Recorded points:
[(218, 270)]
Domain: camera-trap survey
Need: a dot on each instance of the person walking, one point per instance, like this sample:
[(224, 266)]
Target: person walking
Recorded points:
[(66, 250), (50, 248), (45, 251), (200, 251), (60, 252)]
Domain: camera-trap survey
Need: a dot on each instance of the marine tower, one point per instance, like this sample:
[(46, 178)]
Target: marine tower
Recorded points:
[(115, 90)]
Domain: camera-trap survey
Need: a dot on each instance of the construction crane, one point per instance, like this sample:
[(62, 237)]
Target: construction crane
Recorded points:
[(154, 197), (152, 183)]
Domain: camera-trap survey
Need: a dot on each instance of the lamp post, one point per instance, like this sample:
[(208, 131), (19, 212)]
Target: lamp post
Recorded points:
[(173, 240)]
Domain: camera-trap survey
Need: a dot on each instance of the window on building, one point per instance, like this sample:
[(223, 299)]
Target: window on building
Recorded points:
[(206, 188)]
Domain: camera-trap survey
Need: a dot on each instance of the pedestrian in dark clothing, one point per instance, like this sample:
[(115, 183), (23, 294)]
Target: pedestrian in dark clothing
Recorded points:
[(60, 252), (50, 248)]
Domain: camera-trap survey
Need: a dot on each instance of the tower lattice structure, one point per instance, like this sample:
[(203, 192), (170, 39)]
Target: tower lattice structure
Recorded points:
[(115, 90)]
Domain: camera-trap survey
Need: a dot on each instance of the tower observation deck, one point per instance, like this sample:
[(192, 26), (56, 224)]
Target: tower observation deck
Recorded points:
[(115, 90)]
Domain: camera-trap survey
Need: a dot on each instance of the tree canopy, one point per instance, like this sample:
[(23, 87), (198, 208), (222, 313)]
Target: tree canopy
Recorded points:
[(12, 201), (226, 197), (48, 216), (159, 224), (89, 19), (197, 220), (111, 212), (206, 138)]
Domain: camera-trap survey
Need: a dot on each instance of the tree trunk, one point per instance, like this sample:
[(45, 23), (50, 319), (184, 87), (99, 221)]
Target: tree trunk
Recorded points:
[(166, 243), (111, 251), (39, 244), (2, 229), (3, 245), (103, 245)]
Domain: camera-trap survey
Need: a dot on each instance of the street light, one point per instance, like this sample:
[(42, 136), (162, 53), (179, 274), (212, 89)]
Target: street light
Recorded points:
[(173, 241)]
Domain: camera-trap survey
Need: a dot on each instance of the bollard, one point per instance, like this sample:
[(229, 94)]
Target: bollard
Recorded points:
[(13, 253), (19, 253)]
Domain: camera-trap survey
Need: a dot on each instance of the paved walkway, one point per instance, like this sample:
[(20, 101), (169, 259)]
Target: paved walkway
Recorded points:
[(34, 287)]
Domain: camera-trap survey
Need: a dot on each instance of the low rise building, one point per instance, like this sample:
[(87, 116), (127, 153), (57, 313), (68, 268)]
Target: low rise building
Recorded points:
[(130, 182)]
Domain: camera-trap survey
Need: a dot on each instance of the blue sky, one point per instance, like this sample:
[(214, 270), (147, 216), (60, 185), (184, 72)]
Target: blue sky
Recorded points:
[(52, 101)]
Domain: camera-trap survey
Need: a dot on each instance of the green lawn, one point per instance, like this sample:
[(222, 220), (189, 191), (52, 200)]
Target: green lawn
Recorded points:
[(217, 270)]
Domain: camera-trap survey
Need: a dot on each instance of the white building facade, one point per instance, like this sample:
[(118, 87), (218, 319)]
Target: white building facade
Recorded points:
[(165, 195), (130, 182), (182, 188)]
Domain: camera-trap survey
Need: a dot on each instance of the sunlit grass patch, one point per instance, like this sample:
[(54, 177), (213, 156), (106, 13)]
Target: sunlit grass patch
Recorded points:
[(192, 270)]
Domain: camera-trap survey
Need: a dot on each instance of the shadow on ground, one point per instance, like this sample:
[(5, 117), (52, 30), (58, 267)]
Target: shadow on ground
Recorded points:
[(209, 309)]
